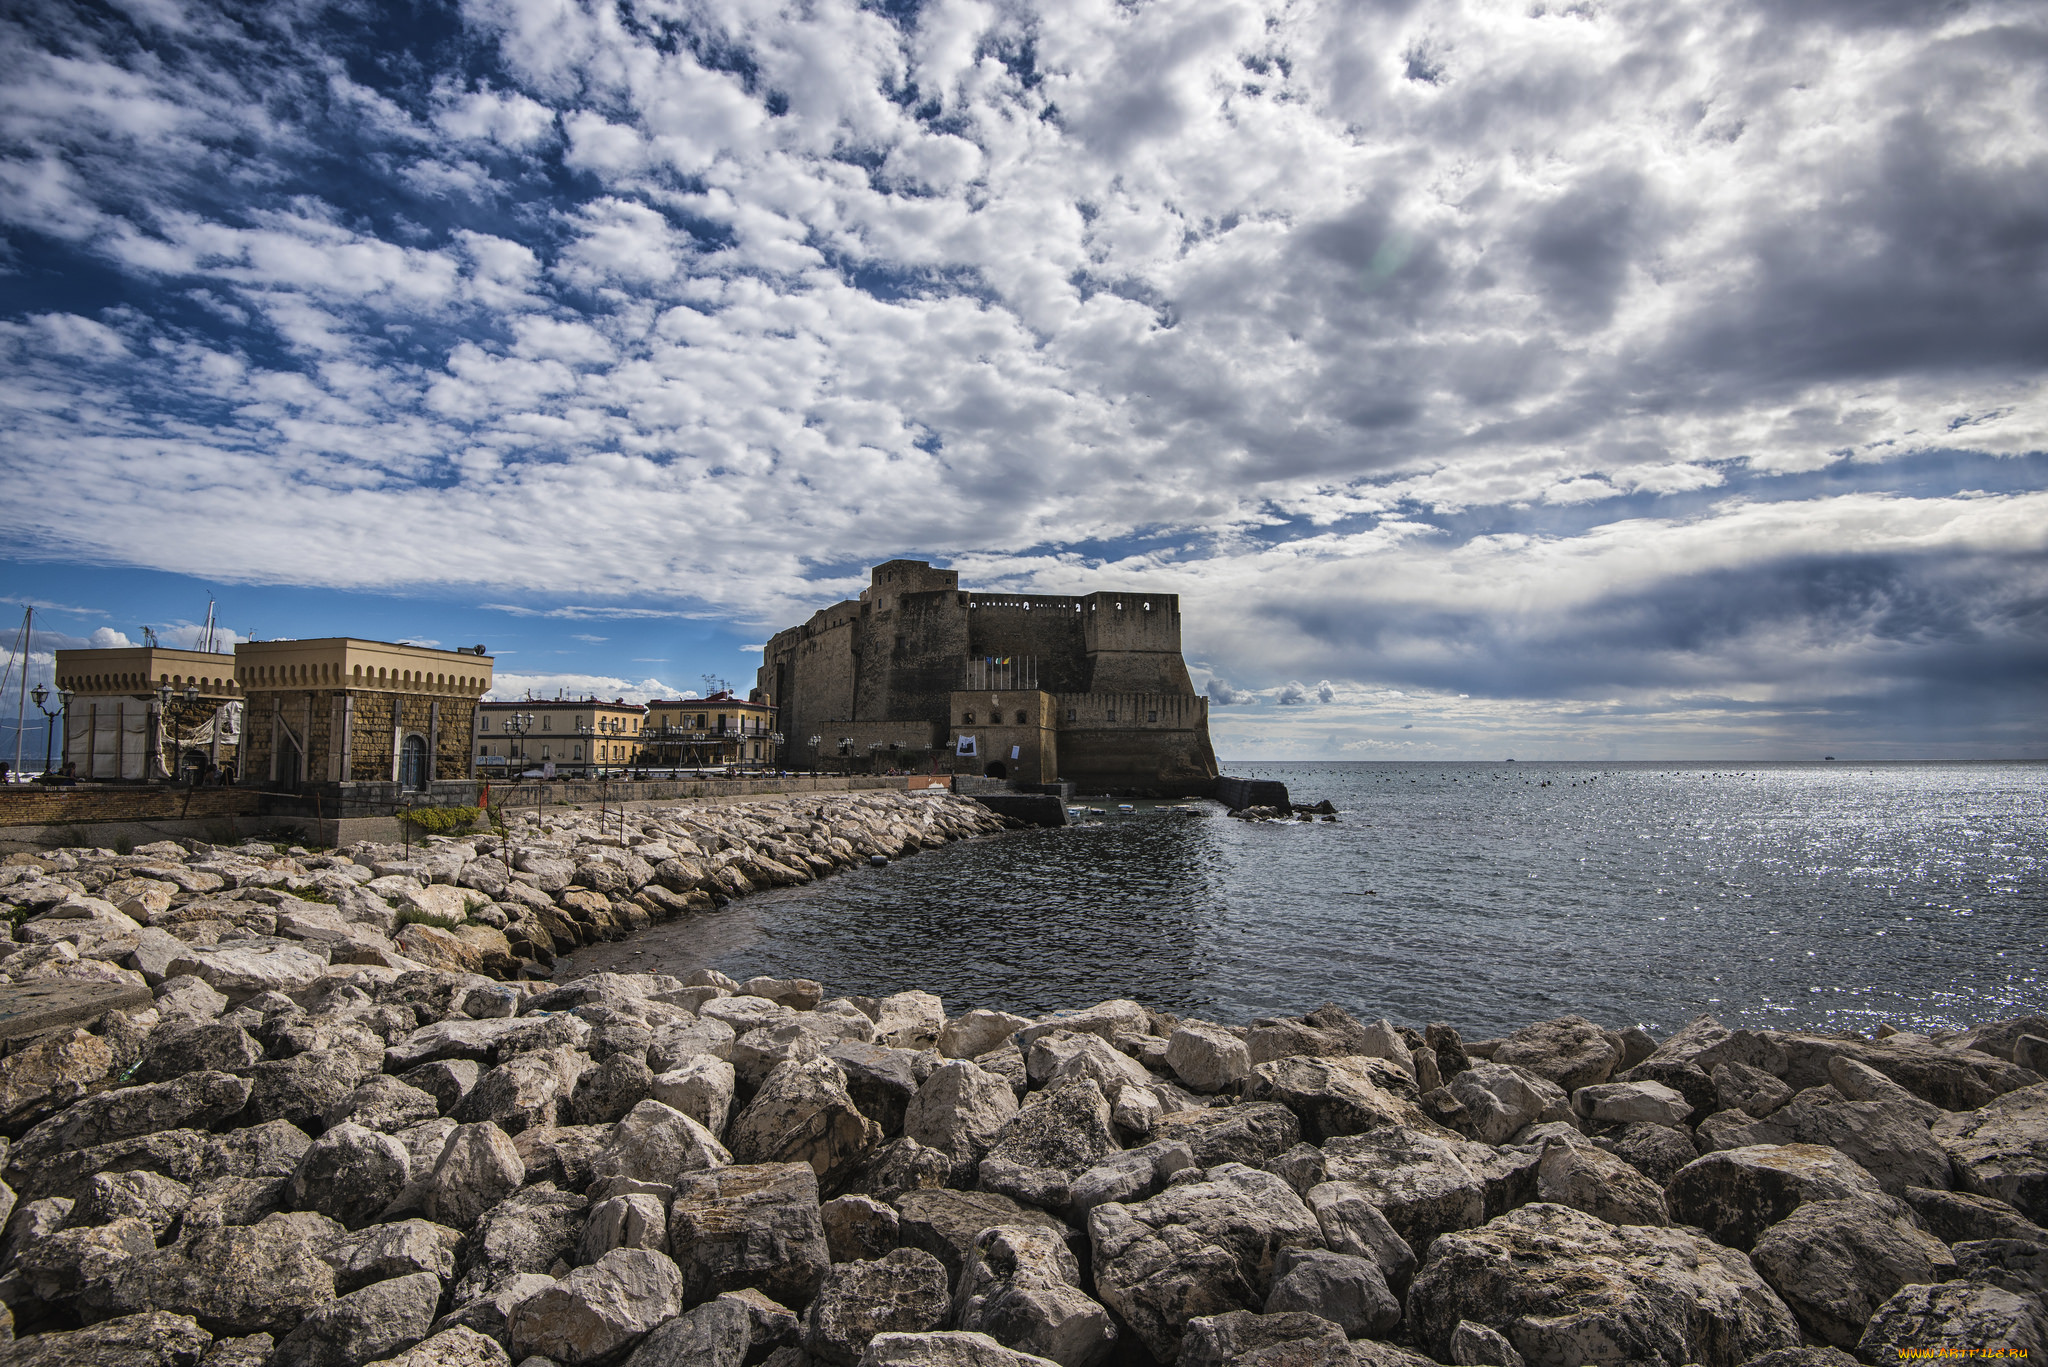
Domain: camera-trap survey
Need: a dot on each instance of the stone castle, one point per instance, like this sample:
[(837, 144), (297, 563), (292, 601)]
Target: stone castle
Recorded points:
[(1028, 687)]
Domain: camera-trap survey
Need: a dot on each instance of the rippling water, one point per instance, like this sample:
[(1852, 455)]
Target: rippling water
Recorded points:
[(1487, 895)]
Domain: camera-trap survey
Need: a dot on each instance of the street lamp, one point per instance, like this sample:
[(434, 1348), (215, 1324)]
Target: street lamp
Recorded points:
[(40, 693), (517, 724)]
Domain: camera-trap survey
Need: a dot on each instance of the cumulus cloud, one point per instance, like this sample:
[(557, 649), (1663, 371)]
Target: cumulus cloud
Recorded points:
[(1582, 351)]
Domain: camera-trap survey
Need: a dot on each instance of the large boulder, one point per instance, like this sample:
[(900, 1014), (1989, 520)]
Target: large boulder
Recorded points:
[(1349, 1291), (1570, 1051), (1332, 1096), (749, 1225), (1956, 1216), (382, 1319), (1252, 1133), (1352, 1224), (701, 1088), (1293, 1339), (882, 1080), (351, 1174), (1623, 1103), (1197, 1248), (1835, 1262), (717, 1333), (958, 1111), (944, 1223), (1038, 1152), (479, 1166), (1888, 1137), (1499, 1100), (1418, 1181), (804, 1114), (1022, 1285), (2001, 1150), (527, 1232), (1956, 1319), (1736, 1194), (909, 1020), (197, 1101), (1566, 1288), (1656, 1151), (658, 1144), (149, 1338), (398, 1249), (943, 1348), (246, 1279), (904, 1292), (1588, 1179), (594, 1313), (1207, 1058), (976, 1032), (634, 1220)]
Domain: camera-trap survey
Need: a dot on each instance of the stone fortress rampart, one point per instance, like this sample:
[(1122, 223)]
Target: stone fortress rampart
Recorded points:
[(1034, 687)]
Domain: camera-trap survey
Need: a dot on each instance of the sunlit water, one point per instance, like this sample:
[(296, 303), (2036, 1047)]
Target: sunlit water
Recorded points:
[(1831, 896)]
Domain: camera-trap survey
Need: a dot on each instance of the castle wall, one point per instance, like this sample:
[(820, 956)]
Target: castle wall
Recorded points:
[(1151, 743), (319, 718), (1048, 629), (1133, 643), (1015, 733)]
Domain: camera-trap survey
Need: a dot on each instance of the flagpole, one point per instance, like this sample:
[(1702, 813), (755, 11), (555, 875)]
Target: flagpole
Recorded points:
[(28, 621)]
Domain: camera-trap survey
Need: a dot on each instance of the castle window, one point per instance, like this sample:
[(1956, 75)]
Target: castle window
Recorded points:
[(1151, 716), (967, 719), (1020, 719), (1073, 714), (547, 723), (1109, 715)]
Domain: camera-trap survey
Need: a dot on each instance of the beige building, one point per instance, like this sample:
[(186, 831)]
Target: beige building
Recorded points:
[(576, 735), (342, 710), (119, 726), (717, 731)]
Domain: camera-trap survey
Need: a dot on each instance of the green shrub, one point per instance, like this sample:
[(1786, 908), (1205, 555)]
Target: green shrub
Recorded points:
[(440, 820), (413, 916)]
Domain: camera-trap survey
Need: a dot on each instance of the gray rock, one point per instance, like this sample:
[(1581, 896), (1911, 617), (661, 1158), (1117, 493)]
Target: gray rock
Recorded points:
[(902, 1165), (154, 1199), (717, 1333), (1239, 1336), (1499, 1100), (752, 1225), (1598, 1183), (2001, 1150), (904, 1292), (248, 1279), (804, 1114), (379, 1321), (1656, 1151), (881, 1080), (958, 1111), (1196, 1245), (1810, 1356), (176, 1048), (445, 1080), (400, 1249), (1754, 1092), (774, 1325), (1133, 1175), (71, 1262), (1954, 1216), (1331, 1096), (1207, 1058), (386, 1104), (658, 1144), (152, 1338), (530, 1231), (1252, 1133), (1570, 1051), (1349, 1291), (597, 1312), (944, 1348), (675, 1045), (1038, 1151), (944, 1223), (910, 1020), (491, 1315), (1475, 1345), (1021, 1284), (1352, 1224), (974, 1033), (1419, 1181), (1623, 1103), (604, 1094), (1835, 1262), (303, 1088), (199, 1101), (351, 1174), (1967, 1319), (478, 1167), (2016, 1265), (631, 1221), (1737, 1193), (858, 1227), (702, 1089), (1563, 1286), (232, 1201), (1889, 1138), (527, 1089)]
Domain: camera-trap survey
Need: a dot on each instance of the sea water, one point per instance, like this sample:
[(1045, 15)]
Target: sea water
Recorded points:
[(1828, 896)]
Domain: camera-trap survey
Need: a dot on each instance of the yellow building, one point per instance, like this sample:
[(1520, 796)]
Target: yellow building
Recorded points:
[(721, 731), (138, 712), (576, 736), (342, 710)]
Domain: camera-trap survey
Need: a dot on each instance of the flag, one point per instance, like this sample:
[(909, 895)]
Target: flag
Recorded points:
[(966, 746), (483, 800)]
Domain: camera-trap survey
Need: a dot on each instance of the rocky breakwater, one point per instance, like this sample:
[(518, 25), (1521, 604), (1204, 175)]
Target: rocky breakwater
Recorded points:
[(436, 1169), (244, 919)]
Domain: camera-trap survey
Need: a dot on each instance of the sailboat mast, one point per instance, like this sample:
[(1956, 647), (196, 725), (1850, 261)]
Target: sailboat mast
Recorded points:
[(28, 620)]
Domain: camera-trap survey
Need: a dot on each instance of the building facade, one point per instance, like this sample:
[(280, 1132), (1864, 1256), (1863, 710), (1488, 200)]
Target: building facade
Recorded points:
[(719, 731), (118, 726), (575, 735), (917, 672), (342, 710)]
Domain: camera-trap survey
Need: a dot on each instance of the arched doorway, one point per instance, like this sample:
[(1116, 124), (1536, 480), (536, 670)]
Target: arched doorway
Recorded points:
[(996, 769), (412, 763)]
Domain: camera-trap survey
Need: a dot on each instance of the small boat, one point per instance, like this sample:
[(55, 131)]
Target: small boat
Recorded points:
[(1125, 807)]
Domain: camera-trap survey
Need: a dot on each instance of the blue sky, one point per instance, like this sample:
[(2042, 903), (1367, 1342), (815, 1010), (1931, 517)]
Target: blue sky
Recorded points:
[(1594, 379)]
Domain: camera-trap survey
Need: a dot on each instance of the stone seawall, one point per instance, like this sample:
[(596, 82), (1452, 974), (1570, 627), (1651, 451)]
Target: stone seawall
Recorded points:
[(262, 1150)]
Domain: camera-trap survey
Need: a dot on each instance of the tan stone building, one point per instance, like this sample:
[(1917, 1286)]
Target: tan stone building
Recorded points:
[(118, 725), (721, 730), (576, 735), (342, 710)]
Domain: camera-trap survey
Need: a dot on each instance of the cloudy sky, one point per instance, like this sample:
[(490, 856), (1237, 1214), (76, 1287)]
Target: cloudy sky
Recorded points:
[(1541, 378)]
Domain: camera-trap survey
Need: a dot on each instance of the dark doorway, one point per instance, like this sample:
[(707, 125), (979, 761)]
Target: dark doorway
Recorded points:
[(412, 763), (996, 769)]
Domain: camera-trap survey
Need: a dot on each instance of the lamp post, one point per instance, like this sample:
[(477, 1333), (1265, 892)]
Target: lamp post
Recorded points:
[(40, 693), (517, 724)]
